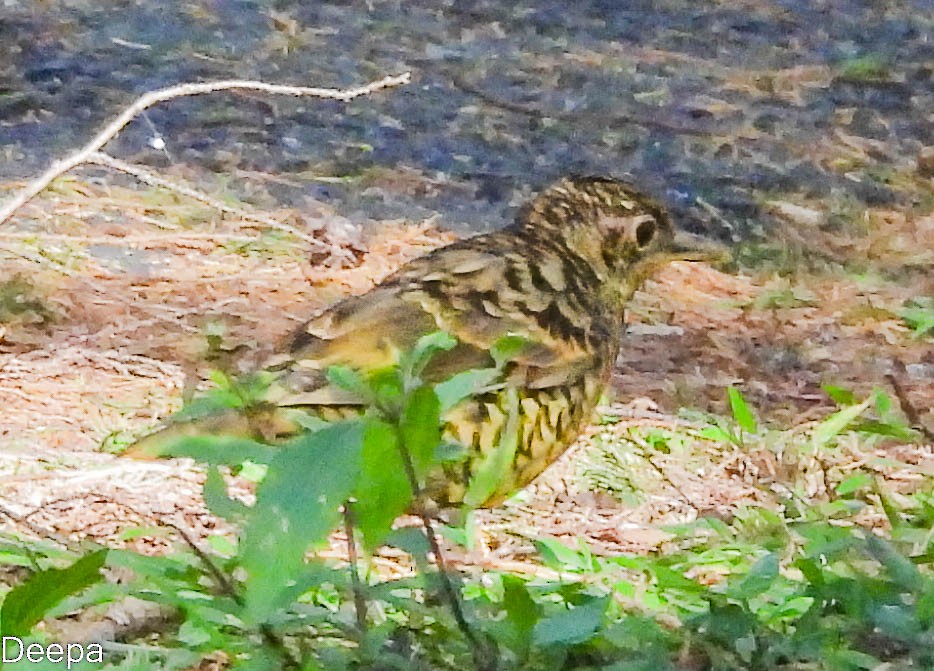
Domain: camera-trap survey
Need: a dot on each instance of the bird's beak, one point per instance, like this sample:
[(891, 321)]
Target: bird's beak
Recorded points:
[(687, 246)]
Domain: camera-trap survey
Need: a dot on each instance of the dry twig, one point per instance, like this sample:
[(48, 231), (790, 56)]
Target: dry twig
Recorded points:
[(91, 152), (914, 417)]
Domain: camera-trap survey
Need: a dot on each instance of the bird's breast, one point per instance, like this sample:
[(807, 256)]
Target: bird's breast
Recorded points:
[(543, 424)]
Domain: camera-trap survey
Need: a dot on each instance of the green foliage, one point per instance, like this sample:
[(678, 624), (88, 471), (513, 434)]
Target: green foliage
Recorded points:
[(226, 394), (831, 427), (497, 461), (27, 603), (383, 491), (799, 587), (918, 314), (784, 298), (865, 68), (297, 504), (744, 421), (789, 589), (741, 412), (874, 417), (22, 303)]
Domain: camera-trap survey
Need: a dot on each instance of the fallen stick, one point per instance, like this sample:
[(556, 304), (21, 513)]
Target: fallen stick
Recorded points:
[(91, 150)]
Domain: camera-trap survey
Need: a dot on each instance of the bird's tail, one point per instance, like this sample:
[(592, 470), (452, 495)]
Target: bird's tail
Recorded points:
[(267, 424)]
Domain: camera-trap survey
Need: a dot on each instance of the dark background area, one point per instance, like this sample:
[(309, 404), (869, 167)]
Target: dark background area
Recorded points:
[(727, 102)]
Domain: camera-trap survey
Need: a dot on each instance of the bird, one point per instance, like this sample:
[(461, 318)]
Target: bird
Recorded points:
[(559, 278)]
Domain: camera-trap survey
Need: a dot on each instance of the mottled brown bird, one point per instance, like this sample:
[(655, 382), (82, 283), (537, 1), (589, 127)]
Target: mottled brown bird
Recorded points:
[(559, 277)]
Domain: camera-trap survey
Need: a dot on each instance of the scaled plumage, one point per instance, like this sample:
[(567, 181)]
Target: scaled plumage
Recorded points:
[(559, 277)]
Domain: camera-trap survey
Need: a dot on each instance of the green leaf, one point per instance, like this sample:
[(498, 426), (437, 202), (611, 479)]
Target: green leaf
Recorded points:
[(522, 614), (759, 579), (559, 556), (217, 501), (427, 347), (643, 636), (825, 541), (420, 428), (464, 385), (297, 504), (837, 422), (918, 314), (219, 450), (717, 434), (252, 472), (793, 608), (508, 347), (191, 635), (888, 429), (741, 412), (222, 545), (925, 605), (27, 603), (229, 393), (883, 402), (745, 646), (489, 469), (660, 440), (903, 573), (667, 578), (388, 389), (211, 402), (409, 539), (150, 566), (221, 379), (266, 658), (853, 483), (456, 535), (812, 571), (383, 491), (729, 622), (308, 422), (348, 379), (839, 395), (851, 660), (572, 626)]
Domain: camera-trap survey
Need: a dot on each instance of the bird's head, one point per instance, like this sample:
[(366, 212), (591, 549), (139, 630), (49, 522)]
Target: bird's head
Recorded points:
[(615, 227)]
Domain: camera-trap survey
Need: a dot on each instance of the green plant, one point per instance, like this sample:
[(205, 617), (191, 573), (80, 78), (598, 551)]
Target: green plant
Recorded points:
[(744, 422), (797, 587), (918, 314), (22, 303), (865, 68)]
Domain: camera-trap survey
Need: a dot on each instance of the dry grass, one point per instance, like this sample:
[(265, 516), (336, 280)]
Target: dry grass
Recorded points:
[(129, 305)]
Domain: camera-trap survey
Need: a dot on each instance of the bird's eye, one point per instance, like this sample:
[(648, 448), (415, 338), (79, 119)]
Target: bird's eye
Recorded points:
[(645, 231)]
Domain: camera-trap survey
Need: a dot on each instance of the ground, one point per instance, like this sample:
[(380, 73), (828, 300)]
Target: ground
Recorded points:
[(93, 356), (800, 132)]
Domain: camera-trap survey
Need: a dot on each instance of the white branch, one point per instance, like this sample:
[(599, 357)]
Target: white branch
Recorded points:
[(60, 167)]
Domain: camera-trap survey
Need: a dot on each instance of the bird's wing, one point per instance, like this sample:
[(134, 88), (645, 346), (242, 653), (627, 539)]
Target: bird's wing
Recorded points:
[(457, 289), (480, 297), (366, 333)]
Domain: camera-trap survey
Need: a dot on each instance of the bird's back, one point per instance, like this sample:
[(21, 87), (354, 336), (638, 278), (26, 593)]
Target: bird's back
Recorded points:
[(557, 280)]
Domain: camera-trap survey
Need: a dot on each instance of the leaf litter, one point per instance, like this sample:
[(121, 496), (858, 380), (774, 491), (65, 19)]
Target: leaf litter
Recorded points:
[(142, 316)]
